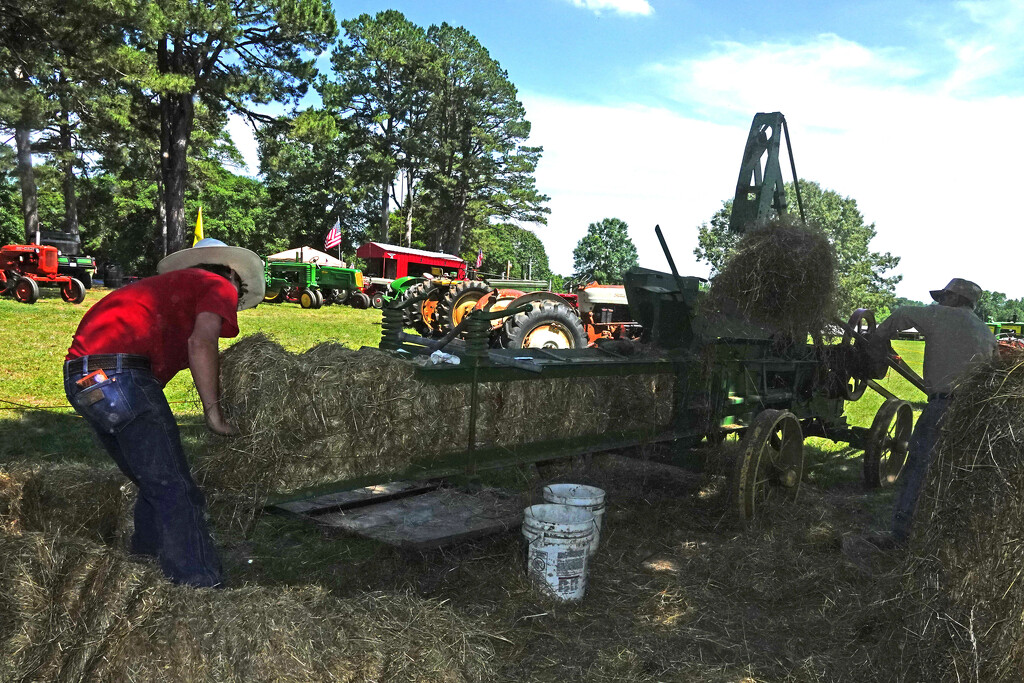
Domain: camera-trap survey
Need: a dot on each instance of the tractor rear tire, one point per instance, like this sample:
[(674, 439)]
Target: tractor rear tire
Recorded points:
[(73, 292), (26, 290), (86, 278), (360, 300), (460, 300), (417, 321), (272, 297), (549, 325)]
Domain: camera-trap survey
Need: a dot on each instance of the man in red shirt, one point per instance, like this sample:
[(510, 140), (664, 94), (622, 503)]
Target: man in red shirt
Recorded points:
[(127, 347)]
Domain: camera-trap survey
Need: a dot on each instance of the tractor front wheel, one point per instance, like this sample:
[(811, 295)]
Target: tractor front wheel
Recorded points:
[(458, 301), (377, 299), (549, 325), (308, 298), (73, 291), (26, 290), (359, 300)]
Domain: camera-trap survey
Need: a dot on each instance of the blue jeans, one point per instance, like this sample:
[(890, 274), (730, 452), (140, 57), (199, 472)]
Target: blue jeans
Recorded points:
[(130, 415), (919, 456)]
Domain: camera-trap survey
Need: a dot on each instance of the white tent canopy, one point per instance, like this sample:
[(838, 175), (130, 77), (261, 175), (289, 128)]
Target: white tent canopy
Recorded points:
[(307, 255)]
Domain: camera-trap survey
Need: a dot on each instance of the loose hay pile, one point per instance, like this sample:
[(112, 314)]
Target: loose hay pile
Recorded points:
[(84, 501), (332, 413), (782, 275), (71, 610), (964, 597)]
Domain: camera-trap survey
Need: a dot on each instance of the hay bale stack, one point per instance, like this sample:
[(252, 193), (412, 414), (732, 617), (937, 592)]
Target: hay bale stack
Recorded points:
[(333, 413), (94, 503), (71, 610), (781, 275), (963, 599)]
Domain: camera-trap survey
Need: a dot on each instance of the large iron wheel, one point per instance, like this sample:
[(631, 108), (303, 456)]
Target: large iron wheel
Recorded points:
[(771, 463), (73, 291), (887, 444), (26, 290), (548, 325), (458, 301)]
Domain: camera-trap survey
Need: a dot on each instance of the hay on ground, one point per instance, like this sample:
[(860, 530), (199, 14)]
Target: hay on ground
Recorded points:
[(94, 503), (333, 413), (782, 275), (71, 610), (964, 591)]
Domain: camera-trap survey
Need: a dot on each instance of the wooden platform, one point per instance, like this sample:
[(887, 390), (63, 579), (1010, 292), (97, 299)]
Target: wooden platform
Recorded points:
[(416, 515)]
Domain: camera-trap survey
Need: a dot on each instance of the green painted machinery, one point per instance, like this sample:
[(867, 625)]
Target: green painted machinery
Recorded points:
[(311, 285)]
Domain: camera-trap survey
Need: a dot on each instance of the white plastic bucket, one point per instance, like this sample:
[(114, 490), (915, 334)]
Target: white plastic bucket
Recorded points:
[(582, 496), (557, 539)]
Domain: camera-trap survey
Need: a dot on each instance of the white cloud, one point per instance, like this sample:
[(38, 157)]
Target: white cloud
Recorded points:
[(641, 7), (935, 172)]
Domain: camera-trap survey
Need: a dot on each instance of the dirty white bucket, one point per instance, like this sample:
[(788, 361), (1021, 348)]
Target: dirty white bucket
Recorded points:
[(557, 538), (585, 497)]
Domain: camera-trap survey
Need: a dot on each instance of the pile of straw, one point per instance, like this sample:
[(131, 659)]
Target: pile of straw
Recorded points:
[(963, 602), (333, 413), (71, 610), (782, 275)]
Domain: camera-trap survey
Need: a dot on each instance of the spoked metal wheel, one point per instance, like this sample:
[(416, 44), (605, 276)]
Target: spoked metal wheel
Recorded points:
[(771, 463), (888, 441)]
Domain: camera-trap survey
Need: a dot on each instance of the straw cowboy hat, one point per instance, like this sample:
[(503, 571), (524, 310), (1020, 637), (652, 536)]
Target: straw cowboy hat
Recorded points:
[(247, 264), (964, 288)]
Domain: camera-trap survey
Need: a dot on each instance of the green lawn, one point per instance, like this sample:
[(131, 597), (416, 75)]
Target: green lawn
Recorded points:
[(35, 339)]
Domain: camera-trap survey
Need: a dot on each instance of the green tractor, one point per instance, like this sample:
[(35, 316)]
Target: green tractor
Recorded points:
[(312, 285)]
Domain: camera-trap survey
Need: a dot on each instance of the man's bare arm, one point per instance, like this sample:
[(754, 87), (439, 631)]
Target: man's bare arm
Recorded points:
[(204, 362)]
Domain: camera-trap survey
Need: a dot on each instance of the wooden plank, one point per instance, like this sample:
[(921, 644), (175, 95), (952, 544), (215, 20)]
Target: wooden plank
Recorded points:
[(340, 500), (430, 520)]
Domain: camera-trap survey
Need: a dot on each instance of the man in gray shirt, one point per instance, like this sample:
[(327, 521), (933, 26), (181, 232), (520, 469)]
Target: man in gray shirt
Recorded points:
[(954, 337)]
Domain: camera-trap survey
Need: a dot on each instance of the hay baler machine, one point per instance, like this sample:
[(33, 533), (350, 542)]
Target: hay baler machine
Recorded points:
[(727, 375), (24, 268)]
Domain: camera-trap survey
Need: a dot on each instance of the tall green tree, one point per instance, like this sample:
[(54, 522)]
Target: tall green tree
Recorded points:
[(862, 274), (311, 181), (605, 253), (503, 244), (380, 95), (480, 168), (230, 55)]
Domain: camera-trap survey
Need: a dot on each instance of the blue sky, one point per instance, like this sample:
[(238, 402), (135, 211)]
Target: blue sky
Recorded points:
[(643, 106)]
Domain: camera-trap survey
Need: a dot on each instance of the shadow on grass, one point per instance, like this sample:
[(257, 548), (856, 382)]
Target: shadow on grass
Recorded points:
[(48, 436)]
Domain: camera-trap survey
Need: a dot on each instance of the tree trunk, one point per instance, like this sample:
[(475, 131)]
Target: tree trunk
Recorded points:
[(70, 196), (385, 203), (29, 196), (177, 116), (161, 214)]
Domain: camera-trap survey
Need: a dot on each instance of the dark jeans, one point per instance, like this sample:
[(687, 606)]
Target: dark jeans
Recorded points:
[(919, 456), (131, 417)]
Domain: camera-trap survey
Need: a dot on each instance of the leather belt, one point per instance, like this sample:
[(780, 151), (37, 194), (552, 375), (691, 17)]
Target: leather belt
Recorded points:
[(105, 361)]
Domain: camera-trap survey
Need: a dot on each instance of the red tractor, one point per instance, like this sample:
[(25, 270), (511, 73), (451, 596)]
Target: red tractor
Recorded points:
[(26, 267)]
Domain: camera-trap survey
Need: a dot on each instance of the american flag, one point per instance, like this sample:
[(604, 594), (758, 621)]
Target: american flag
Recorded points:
[(334, 236), (479, 257)]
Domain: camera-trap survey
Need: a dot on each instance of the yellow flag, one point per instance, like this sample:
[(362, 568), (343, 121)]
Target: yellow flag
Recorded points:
[(199, 228)]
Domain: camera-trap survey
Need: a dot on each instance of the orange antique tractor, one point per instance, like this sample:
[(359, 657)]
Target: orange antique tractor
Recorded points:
[(26, 267)]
